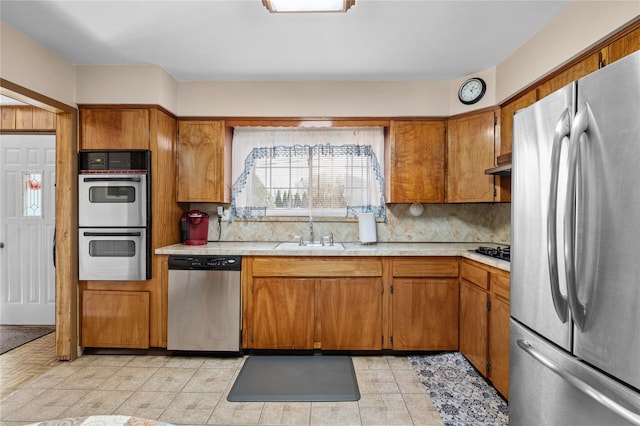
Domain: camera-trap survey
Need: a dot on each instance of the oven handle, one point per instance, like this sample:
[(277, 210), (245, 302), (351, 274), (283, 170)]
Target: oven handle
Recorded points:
[(112, 234), (112, 179)]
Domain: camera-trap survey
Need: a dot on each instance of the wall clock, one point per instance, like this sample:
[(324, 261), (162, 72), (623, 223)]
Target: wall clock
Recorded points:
[(472, 90)]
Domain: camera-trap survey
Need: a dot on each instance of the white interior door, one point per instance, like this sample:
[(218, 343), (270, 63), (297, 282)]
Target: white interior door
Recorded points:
[(27, 214)]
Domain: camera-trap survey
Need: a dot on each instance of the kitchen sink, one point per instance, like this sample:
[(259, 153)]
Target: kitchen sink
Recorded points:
[(314, 246)]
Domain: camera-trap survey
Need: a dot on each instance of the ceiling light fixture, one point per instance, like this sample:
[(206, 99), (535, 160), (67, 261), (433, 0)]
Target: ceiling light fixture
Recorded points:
[(292, 6)]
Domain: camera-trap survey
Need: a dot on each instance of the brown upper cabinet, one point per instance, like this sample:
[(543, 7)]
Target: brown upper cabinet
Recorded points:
[(506, 118), (578, 70), (503, 143), (114, 128), (470, 151), (415, 165), (204, 162), (27, 118), (622, 47)]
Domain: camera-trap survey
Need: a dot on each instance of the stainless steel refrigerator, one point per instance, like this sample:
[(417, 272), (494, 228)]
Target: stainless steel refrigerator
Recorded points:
[(575, 253)]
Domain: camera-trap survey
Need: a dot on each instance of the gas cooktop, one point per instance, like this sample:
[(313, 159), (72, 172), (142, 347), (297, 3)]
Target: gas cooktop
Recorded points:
[(502, 253)]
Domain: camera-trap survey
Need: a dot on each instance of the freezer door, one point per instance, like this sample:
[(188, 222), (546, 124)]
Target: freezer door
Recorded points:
[(547, 386), (538, 295), (606, 139)]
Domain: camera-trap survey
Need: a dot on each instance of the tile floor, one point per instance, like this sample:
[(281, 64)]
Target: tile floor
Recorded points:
[(193, 390)]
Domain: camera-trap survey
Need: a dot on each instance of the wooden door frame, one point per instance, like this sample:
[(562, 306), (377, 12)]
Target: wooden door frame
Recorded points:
[(66, 228)]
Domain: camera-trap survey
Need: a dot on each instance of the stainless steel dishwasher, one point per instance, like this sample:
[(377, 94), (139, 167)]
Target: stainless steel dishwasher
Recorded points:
[(204, 303)]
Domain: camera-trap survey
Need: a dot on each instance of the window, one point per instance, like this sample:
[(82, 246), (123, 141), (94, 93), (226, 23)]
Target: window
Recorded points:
[(32, 194), (307, 171)]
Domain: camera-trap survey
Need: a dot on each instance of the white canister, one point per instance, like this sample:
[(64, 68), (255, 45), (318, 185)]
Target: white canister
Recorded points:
[(367, 222)]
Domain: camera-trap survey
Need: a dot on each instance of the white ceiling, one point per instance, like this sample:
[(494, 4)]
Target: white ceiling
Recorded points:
[(216, 40)]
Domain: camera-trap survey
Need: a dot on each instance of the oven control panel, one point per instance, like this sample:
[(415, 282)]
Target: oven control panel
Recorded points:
[(96, 161)]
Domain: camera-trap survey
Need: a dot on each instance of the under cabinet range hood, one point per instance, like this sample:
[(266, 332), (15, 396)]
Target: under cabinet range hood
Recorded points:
[(503, 168)]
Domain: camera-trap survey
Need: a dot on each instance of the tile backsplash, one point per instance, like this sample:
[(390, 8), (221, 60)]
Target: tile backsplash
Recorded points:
[(479, 222)]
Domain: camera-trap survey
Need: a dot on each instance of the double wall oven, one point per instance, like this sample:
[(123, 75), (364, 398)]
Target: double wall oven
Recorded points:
[(114, 215)]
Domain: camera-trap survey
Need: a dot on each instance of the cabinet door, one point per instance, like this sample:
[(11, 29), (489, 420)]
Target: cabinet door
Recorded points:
[(115, 319), (283, 316), (416, 162), (588, 65), (125, 129), (43, 120), (425, 314), (470, 152), (8, 120), (624, 46), (201, 162), (350, 314), (24, 117), (506, 118), (499, 344), (473, 325)]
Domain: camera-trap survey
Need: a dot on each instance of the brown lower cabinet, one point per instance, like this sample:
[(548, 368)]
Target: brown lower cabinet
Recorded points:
[(115, 319), (313, 303), (424, 308), (349, 313), (337, 313), (367, 303), (499, 330), (484, 321), (283, 310), (473, 325)]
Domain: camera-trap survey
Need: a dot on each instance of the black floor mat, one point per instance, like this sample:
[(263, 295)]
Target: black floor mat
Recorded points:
[(289, 378)]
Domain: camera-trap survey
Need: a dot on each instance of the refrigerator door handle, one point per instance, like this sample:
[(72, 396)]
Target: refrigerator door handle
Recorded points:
[(561, 133), (579, 309), (579, 384)]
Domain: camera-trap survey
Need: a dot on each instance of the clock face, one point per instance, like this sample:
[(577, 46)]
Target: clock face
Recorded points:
[(472, 91)]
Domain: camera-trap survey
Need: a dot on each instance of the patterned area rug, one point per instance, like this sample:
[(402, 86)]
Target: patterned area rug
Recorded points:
[(12, 336), (461, 395), (102, 421)]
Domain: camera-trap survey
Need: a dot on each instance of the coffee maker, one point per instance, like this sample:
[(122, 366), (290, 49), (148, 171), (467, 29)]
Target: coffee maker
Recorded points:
[(195, 228)]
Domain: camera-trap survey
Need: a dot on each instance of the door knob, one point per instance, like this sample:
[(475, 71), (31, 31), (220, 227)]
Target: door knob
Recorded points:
[(1, 245)]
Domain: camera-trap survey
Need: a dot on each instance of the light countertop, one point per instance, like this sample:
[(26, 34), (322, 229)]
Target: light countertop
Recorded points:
[(265, 248)]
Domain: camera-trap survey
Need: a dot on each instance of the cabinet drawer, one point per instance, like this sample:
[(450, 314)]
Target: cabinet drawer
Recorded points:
[(474, 274), (500, 285), (425, 267), (316, 267)]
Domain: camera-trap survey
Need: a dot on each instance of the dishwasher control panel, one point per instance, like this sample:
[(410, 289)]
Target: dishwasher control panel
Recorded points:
[(205, 262)]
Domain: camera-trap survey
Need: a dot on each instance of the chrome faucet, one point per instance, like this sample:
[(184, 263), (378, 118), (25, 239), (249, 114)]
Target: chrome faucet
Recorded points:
[(311, 239)]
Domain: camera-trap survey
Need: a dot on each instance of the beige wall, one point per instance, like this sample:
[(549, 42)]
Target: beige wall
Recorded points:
[(126, 84), (28, 64), (577, 27), (313, 99)]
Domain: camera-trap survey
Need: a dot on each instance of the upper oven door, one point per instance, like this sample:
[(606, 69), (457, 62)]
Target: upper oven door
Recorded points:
[(112, 200)]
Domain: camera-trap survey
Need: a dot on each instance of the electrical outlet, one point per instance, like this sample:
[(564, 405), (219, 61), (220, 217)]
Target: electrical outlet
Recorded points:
[(220, 211)]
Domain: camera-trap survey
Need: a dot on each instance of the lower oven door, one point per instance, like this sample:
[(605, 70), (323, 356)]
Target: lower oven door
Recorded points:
[(113, 254)]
